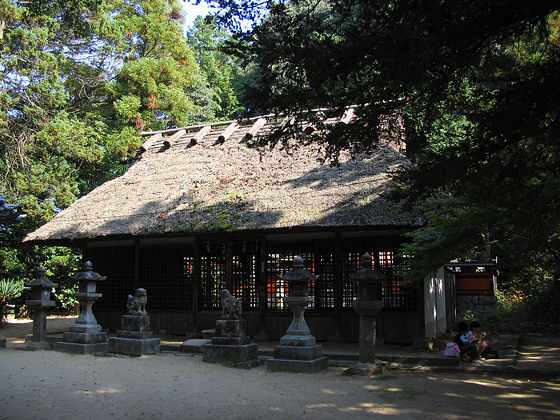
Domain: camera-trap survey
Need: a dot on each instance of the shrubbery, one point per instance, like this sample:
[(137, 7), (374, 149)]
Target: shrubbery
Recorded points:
[(534, 308)]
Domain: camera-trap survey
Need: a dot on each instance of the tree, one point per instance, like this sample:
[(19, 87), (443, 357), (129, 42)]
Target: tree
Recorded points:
[(80, 79), (150, 90), (477, 84), (220, 69)]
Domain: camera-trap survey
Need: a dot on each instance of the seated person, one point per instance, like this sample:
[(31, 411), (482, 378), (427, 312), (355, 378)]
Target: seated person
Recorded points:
[(477, 337), (468, 349)]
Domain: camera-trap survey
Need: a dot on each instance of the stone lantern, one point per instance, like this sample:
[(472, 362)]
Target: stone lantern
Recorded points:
[(40, 302), (298, 351), (368, 306), (85, 335), (298, 299)]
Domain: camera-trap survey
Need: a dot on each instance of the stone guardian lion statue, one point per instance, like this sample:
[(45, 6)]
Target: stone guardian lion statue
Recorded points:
[(136, 304), (231, 307)]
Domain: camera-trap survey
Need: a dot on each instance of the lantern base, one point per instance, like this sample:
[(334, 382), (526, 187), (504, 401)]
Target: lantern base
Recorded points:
[(297, 340), (37, 345), (299, 366), (368, 369), (298, 358), (83, 343)]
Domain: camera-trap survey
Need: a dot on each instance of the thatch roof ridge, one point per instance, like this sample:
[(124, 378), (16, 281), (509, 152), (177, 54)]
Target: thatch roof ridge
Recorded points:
[(226, 182)]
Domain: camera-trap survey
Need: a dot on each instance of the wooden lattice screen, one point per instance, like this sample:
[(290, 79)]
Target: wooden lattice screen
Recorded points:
[(212, 280), (116, 263), (168, 273), (165, 272), (324, 287), (232, 267), (244, 280), (276, 265), (320, 263), (396, 295), (350, 263)]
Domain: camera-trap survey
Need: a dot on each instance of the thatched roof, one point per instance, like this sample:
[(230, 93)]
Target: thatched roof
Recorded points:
[(214, 178)]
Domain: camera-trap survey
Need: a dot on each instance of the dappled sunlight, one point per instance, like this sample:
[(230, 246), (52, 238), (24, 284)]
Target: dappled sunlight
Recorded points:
[(332, 392), (349, 409), (214, 391), (551, 409), (492, 384), (517, 396), (453, 395), (276, 409), (103, 391), (320, 405)]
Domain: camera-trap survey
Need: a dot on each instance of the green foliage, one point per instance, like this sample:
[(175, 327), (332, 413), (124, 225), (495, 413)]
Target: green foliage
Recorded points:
[(151, 89), (220, 70), (477, 86), (65, 294), (9, 289), (523, 307), (80, 79)]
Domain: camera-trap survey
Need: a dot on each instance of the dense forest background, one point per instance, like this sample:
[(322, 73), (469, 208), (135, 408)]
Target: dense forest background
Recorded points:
[(476, 82)]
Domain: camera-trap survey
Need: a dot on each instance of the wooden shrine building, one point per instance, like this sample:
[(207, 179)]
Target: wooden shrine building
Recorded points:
[(208, 207)]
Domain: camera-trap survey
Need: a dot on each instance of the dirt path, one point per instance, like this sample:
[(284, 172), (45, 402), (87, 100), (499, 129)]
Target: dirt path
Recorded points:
[(50, 384)]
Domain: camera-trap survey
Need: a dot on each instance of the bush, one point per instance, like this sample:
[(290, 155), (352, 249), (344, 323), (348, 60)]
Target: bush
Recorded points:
[(9, 289), (520, 312)]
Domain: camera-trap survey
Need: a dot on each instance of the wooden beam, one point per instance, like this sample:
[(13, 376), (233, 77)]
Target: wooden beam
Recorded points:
[(200, 134), (255, 128), (226, 134), (172, 139), (148, 143), (348, 115)]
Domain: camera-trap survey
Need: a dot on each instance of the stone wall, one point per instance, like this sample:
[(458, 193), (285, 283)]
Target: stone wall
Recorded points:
[(478, 305)]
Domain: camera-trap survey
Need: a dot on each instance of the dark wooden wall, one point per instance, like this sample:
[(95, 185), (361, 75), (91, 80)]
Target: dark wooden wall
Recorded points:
[(178, 275)]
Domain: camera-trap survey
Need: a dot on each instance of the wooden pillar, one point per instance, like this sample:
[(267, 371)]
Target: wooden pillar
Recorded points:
[(317, 269), (261, 284), (136, 274), (196, 286), (229, 267), (338, 287)]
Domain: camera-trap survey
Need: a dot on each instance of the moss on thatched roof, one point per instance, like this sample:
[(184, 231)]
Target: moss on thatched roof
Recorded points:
[(215, 178)]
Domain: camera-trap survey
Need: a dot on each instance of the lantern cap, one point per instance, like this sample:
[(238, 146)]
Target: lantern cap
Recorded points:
[(88, 274), (41, 280)]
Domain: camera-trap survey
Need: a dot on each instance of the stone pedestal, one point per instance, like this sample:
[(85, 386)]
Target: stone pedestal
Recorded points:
[(83, 342), (38, 341), (368, 307), (298, 351), (85, 336), (367, 364), (135, 337), (368, 311), (231, 344)]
